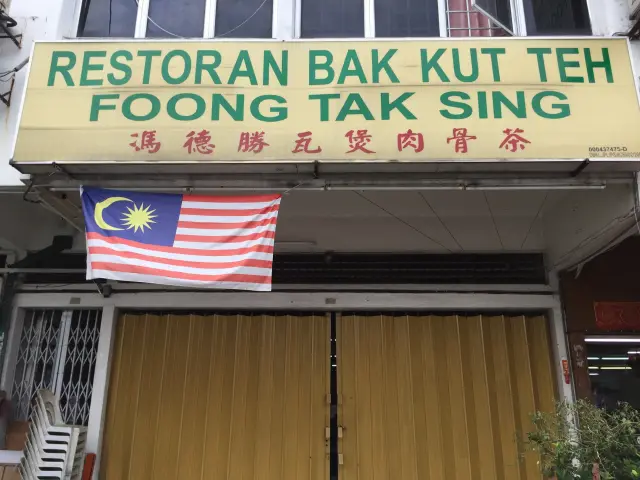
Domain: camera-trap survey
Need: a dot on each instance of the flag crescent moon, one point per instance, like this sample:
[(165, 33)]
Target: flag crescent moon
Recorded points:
[(101, 206)]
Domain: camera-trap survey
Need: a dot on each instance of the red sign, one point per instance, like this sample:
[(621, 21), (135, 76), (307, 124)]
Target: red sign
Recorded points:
[(565, 371), (611, 316)]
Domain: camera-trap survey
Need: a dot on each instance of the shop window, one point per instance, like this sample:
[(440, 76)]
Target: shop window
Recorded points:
[(332, 18), (171, 18), (107, 18), (244, 18), (614, 370)]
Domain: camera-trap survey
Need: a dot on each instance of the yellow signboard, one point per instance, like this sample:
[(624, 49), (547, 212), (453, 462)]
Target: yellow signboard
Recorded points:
[(184, 101)]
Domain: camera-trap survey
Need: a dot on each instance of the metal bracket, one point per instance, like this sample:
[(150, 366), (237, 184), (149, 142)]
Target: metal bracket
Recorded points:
[(103, 288), (6, 96), (327, 432), (634, 32), (60, 169), (585, 163), (61, 206), (15, 38)]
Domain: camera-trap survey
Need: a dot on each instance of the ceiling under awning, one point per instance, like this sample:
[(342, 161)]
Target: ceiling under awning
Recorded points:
[(567, 225)]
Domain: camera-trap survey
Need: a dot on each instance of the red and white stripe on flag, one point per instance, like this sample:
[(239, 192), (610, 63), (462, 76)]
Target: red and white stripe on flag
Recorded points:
[(220, 242)]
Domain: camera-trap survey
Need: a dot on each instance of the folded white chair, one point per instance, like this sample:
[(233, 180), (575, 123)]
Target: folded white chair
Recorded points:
[(30, 471), (53, 449), (46, 452)]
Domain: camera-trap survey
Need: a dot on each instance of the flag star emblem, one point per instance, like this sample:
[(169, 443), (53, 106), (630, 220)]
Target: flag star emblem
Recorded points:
[(139, 218)]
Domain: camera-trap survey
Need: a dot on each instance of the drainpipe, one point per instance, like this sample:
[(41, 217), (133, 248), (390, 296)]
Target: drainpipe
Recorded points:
[(8, 290)]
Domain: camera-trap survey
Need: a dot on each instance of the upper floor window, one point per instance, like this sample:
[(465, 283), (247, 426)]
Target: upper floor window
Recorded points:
[(463, 20), (107, 18), (539, 17), (286, 19), (171, 18), (332, 18), (244, 18), (557, 17), (176, 18), (409, 18)]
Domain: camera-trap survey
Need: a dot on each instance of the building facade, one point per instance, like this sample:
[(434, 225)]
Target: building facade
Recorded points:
[(441, 164)]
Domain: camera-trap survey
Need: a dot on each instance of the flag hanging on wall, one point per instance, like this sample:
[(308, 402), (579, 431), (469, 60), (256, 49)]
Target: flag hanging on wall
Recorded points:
[(187, 240)]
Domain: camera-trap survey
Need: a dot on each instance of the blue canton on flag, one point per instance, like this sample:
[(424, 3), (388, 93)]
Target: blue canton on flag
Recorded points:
[(142, 217)]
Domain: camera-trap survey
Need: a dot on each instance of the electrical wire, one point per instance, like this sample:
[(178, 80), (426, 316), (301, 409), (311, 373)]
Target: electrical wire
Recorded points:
[(636, 198), (535, 219), (110, 15), (8, 75), (13, 71), (440, 220), (216, 36), (612, 243), (635, 214), (493, 220), (243, 23), (402, 221), (158, 26)]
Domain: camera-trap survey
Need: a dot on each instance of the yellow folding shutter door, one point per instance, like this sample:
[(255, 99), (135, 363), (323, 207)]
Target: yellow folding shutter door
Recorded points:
[(441, 397), (218, 397)]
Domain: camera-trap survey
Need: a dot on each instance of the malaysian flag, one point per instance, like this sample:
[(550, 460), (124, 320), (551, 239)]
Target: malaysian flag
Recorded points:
[(188, 240)]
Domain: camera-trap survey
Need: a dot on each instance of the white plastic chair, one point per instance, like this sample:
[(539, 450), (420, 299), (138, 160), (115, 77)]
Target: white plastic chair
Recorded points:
[(53, 449)]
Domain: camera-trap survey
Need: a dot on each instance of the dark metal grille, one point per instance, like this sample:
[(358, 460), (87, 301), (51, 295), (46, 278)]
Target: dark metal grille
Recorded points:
[(374, 268), (57, 351), (370, 269)]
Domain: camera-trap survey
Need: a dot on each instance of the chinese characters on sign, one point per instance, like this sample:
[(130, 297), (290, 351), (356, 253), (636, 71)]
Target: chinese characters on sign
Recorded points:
[(303, 144), (199, 142), (512, 141), (358, 141), (411, 140), (418, 100), (461, 138), (252, 142), (145, 141)]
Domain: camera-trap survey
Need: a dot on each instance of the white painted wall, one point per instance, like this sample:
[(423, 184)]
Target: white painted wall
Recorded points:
[(37, 20)]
